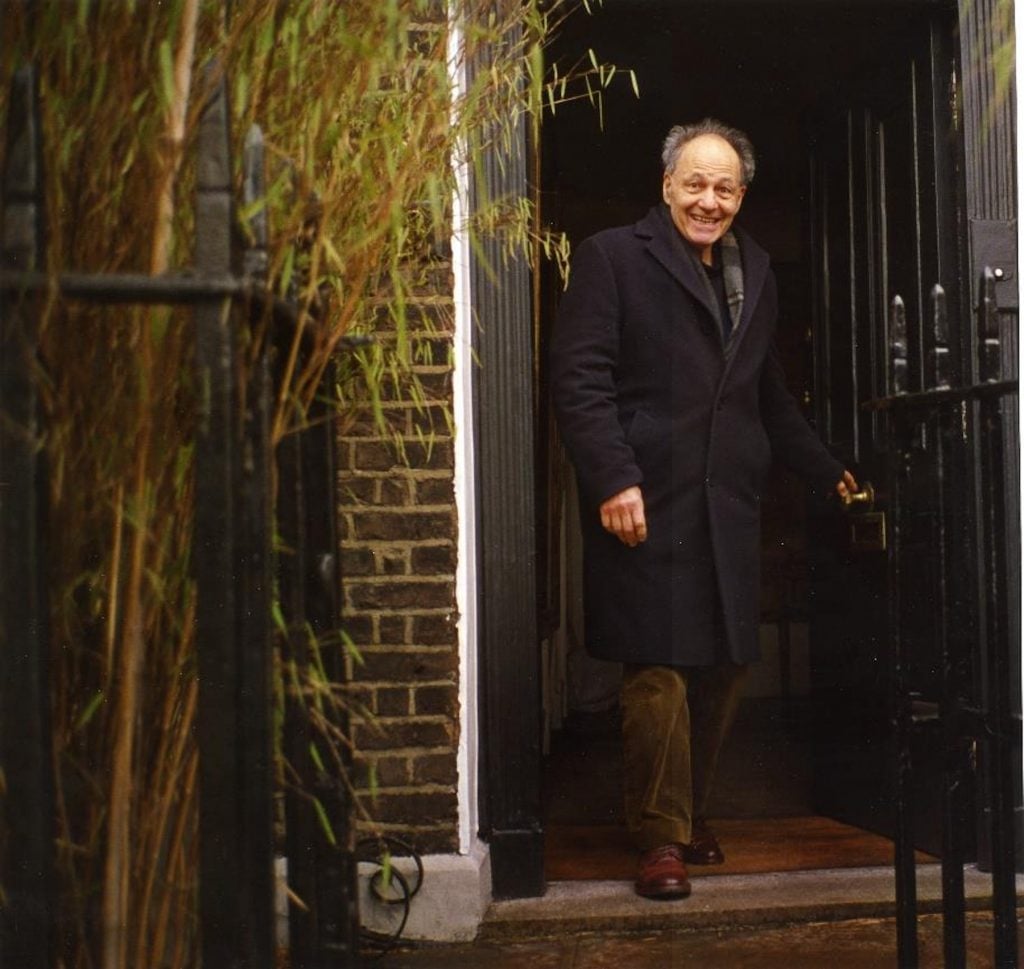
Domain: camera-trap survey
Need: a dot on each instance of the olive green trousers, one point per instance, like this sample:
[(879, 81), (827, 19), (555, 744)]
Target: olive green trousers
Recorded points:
[(674, 721)]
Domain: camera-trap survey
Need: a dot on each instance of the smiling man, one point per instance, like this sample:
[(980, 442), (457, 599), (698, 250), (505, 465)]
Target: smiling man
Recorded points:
[(672, 405)]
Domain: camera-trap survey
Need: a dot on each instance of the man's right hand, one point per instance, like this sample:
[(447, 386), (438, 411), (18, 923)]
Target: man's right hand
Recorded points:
[(623, 516)]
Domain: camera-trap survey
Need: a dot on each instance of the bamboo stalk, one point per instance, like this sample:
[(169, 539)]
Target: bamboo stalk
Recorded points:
[(177, 759), (113, 587), (176, 114), (180, 863), (118, 865)]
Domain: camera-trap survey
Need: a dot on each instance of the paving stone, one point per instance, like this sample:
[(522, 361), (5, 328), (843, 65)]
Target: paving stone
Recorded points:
[(534, 955), (852, 944)]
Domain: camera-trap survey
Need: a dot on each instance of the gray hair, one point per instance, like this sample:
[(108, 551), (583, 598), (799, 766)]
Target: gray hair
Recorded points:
[(680, 135)]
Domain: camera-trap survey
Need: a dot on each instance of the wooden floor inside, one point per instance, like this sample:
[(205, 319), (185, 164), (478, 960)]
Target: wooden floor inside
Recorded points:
[(751, 846), (762, 807)]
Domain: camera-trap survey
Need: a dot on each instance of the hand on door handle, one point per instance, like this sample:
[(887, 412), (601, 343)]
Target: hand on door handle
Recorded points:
[(866, 497)]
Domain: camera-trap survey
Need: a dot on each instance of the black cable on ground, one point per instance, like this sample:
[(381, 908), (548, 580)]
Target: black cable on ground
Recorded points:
[(388, 886)]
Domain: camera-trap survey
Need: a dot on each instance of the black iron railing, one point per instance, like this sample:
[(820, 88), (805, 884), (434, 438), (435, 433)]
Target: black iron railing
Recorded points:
[(234, 565), (947, 444)]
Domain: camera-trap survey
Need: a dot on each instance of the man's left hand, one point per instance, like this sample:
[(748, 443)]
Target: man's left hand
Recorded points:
[(847, 485)]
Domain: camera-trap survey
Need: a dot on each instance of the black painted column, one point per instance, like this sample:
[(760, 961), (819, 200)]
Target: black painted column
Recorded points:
[(510, 689), (27, 917), (231, 567)]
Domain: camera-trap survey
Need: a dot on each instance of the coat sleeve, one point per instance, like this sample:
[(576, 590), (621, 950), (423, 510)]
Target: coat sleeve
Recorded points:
[(584, 356), (793, 441)]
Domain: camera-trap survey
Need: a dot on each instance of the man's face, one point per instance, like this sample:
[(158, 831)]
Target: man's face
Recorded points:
[(704, 191)]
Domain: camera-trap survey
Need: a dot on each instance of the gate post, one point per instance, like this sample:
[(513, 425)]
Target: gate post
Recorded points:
[(28, 917), (232, 641)]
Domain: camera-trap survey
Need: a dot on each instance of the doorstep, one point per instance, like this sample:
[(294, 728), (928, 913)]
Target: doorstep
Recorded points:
[(722, 902)]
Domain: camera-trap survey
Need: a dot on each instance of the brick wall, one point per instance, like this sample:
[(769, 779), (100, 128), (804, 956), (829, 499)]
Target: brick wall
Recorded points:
[(399, 531)]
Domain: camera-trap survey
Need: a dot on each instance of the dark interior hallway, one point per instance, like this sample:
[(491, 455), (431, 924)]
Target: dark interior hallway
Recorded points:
[(773, 78), (762, 808)]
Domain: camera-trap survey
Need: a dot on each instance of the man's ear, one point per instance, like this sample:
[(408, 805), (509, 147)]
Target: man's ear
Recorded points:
[(665, 182)]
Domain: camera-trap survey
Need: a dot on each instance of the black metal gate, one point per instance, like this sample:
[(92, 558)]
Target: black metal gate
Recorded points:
[(234, 565), (950, 452)]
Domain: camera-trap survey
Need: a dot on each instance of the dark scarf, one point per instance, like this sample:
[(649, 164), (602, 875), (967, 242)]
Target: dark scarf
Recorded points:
[(732, 277)]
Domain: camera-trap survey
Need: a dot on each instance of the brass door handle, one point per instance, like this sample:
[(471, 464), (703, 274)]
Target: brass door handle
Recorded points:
[(865, 497)]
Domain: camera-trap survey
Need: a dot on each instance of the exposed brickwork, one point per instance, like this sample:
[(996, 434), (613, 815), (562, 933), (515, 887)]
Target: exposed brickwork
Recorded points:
[(399, 530)]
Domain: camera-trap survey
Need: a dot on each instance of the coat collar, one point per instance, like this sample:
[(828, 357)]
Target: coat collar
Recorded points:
[(666, 245)]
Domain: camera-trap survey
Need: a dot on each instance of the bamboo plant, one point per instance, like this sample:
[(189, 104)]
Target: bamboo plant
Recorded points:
[(364, 131)]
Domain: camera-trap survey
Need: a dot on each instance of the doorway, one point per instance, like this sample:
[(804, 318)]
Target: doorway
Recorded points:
[(806, 760)]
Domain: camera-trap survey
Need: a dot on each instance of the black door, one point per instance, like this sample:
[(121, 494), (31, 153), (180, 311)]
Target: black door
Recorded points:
[(883, 190)]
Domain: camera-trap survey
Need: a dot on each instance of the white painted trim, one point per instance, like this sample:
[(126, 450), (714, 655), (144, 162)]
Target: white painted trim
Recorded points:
[(465, 477)]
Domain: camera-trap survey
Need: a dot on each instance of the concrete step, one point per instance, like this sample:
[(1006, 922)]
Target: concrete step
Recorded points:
[(723, 902)]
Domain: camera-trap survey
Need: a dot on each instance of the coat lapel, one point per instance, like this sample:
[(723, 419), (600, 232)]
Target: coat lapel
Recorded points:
[(664, 244)]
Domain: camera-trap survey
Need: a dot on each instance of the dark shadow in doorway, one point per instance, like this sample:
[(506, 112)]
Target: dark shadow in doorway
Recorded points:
[(761, 807)]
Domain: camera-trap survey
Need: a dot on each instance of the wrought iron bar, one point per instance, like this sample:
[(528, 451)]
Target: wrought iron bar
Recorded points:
[(955, 756), (954, 777), (28, 929), (236, 860), (1001, 740), (301, 831), (901, 699), (254, 568), (897, 346), (255, 260), (940, 360), (950, 397), (903, 723), (181, 288), (126, 287), (321, 866), (338, 888)]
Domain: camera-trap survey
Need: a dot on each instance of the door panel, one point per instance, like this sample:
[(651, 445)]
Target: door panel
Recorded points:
[(877, 229)]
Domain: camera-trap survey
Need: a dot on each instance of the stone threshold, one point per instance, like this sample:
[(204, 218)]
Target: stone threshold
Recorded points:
[(724, 902)]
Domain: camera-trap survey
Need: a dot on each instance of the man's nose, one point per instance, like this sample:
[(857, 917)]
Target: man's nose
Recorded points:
[(707, 199)]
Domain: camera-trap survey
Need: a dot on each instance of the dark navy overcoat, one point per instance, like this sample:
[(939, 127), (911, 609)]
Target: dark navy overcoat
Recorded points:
[(645, 395)]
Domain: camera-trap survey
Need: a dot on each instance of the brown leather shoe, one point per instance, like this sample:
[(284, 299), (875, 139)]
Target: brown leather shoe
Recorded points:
[(703, 848), (662, 873)]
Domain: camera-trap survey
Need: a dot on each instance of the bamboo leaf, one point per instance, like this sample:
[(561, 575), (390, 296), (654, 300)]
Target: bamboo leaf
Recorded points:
[(85, 717), (278, 617), (325, 822)]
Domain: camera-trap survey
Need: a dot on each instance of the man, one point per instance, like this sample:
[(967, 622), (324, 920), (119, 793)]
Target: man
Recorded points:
[(672, 404)]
